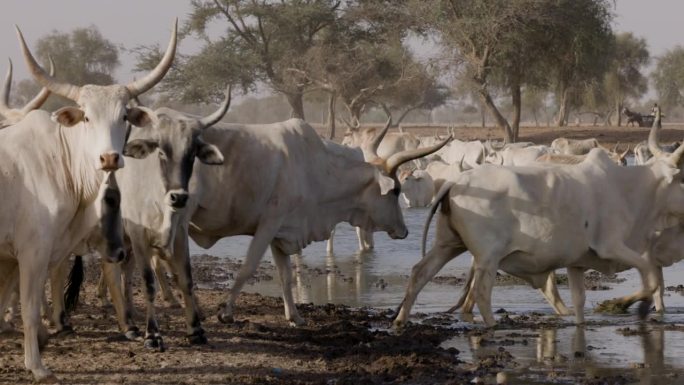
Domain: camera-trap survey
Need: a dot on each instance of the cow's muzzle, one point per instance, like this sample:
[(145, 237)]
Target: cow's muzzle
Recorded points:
[(110, 161), (177, 199), (118, 255), (401, 234)]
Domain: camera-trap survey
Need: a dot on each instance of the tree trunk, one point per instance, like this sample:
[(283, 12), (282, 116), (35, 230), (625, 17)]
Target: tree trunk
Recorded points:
[(486, 99), (331, 115), (296, 101), (562, 119), (483, 114), (618, 110), (517, 106)]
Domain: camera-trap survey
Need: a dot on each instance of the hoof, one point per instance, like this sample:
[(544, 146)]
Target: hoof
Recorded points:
[(65, 332), (133, 334), (48, 379), (197, 338), (644, 308), (172, 304), (154, 343), (297, 322), (43, 338), (398, 326), (223, 317)]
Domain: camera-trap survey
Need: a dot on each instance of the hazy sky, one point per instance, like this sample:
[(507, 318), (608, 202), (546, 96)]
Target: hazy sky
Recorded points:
[(132, 23)]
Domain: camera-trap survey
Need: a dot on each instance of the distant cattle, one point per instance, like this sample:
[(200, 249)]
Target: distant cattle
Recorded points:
[(529, 221)]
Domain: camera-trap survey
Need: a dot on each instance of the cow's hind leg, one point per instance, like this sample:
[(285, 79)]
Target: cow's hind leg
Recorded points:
[(282, 262), (262, 238), (660, 292)]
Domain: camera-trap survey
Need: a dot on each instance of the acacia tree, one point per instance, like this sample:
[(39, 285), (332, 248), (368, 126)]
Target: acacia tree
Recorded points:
[(263, 41), (668, 77), (582, 48), (624, 78), (82, 56)]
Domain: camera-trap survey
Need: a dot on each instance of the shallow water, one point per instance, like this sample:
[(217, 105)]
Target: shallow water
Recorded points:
[(379, 279)]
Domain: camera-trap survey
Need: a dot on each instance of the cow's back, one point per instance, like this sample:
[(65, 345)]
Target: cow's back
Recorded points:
[(265, 168)]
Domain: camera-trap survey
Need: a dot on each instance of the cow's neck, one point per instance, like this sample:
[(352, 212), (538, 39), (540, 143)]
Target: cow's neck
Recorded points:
[(342, 200), (81, 179)]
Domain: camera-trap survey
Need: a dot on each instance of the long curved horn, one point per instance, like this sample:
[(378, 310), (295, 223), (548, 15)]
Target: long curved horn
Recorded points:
[(218, 114), (4, 100), (653, 137), (67, 90), (396, 160), (42, 96), (143, 84), (615, 148), (378, 138)]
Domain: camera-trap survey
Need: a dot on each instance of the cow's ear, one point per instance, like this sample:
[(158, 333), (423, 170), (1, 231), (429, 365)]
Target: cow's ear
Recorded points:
[(141, 117), (68, 116), (387, 184), (139, 148), (209, 154)]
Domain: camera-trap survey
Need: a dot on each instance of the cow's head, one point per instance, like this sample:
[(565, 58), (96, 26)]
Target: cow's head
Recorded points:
[(668, 168), (14, 115), (177, 142), (380, 198), (100, 111)]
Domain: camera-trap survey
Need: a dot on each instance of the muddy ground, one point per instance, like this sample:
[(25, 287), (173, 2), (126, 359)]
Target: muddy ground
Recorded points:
[(338, 345)]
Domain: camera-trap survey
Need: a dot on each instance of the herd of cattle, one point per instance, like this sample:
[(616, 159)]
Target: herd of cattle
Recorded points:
[(522, 208)]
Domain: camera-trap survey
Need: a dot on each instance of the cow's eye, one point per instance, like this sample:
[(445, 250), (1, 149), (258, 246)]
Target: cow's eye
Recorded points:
[(86, 119)]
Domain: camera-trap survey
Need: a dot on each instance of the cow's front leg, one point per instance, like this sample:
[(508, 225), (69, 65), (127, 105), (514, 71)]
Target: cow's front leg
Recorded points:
[(421, 274), (112, 277), (180, 262), (483, 283), (262, 238), (32, 276), (282, 262), (550, 292), (153, 338), (58, 278), (647, 269), (576, 283)]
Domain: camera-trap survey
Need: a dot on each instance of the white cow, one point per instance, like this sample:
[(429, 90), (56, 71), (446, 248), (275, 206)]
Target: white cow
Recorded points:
[(293, 189), (574, 146), (14, 115), (51, 171), (417, 188), (154, 210), (518, 156), (618, 158), (387, 144), (642, 153), (471, 154), (516, 219), (665, 249)]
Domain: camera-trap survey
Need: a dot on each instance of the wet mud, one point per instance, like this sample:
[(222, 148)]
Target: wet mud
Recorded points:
[(343, 345)]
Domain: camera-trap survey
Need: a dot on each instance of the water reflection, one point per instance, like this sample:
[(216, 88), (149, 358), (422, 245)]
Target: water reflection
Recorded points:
[(634, 351)]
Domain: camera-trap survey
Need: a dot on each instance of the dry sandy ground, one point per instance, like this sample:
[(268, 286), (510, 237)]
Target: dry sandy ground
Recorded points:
[(544, 135)]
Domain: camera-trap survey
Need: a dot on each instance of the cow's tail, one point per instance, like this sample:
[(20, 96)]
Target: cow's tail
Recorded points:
[(443, 191), (465, 292), (72, 289)]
